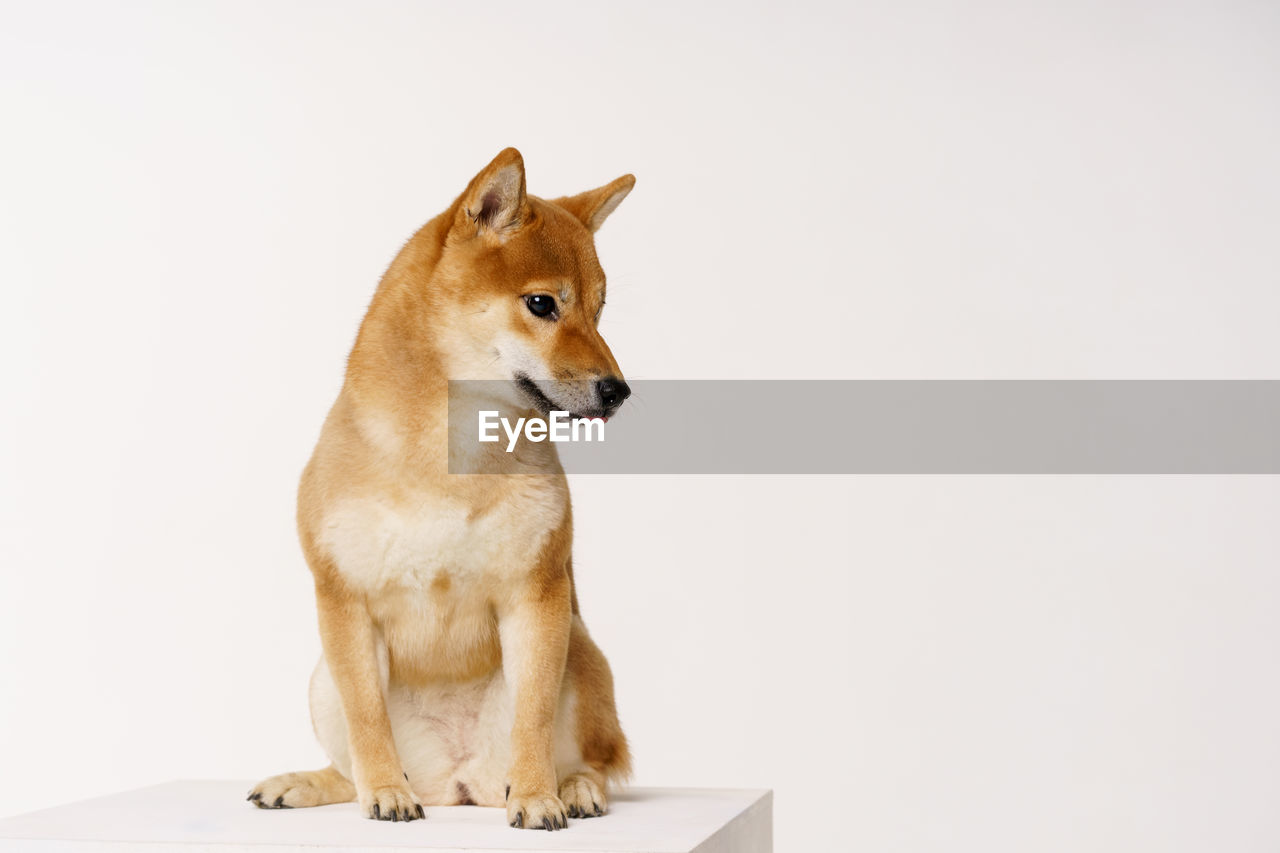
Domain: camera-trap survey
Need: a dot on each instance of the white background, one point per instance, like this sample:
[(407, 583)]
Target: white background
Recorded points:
[(197, 202)]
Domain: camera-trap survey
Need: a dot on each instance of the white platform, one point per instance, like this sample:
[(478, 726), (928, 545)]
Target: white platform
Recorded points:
[(213, 817)]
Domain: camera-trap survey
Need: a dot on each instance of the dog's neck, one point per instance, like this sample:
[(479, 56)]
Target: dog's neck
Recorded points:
[(397, 379)]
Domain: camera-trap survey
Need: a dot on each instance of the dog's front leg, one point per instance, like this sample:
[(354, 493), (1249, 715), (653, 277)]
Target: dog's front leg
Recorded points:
[(534, 631), (350, 645)]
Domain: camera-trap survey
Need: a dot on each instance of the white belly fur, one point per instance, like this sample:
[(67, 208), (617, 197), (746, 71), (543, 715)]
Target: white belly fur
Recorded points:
[(454, 740)]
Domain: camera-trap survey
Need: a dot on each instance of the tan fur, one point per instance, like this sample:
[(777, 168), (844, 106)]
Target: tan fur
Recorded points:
[(455, 661)]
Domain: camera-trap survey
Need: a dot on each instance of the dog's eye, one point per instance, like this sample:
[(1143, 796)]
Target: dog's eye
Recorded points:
[(540, 305)]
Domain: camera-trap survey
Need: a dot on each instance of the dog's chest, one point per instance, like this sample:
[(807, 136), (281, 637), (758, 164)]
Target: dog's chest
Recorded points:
[(412, 542)]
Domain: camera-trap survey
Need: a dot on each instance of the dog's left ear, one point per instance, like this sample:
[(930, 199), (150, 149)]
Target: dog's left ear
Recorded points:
[(495, 200), (593, 207)]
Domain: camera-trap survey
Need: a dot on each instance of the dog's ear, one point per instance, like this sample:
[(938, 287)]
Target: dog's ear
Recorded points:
[(495, 199), (593, 207)]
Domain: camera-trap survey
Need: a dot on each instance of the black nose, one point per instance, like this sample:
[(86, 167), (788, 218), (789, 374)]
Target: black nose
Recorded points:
[(612, 392)]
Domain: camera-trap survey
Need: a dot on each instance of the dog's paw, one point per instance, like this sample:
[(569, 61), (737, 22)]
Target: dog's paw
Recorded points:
[(536, 811), (289, 791), (391, 802), (582, 797)]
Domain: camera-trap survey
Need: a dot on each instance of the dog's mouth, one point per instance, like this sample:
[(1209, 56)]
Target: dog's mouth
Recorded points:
[(540, 401)]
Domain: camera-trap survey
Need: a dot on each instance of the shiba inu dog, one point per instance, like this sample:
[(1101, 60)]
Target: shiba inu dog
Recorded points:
[(456, 667)]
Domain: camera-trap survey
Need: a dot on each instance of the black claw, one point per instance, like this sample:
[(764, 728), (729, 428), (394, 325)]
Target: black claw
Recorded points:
[(406, 777), (599, 811), (395, 815), (421, 813), (546, 824), (279, 802), (255, 796), (377, 812), (519, 821), (573, 811), (507, 795)]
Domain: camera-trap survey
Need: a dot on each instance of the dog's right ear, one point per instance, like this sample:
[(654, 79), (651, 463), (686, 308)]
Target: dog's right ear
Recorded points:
[(495, 200)]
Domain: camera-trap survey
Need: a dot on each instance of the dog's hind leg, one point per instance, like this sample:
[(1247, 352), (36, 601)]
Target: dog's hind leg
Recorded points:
[(583, 793), (600, 744), (315, 787), (305, 788)]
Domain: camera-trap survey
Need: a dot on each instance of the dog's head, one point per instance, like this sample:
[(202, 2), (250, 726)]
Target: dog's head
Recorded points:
[(527, 291)]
